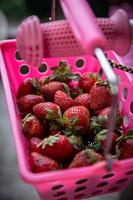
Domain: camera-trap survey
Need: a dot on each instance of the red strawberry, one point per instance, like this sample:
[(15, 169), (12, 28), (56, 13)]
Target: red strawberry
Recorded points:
[(47, 110), (40, 163), (53, 132), (25, 88), (100, 96), (28, 86), (33, 127), (53, 128), (87, 80), (125, 146), (103, 117), (83, 100), (34, 145), (101, 138), (76, 142), (48, 90), (86, 157), (57, 147), (75, 91), (78, 118), (26, 103), (63, 100)]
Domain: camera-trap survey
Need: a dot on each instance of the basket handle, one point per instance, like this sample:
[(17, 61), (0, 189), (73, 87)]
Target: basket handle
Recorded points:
[(52, 18)]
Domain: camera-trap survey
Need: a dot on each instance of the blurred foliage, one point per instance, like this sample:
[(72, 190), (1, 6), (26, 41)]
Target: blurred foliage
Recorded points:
[(14, 9)]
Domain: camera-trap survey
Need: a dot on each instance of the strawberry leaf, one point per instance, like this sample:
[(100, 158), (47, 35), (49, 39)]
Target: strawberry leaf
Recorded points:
[(103, 132), (73, 120), (66, 88), (67, 132), (49, 141), (50, 114), (73, 76), (130, 132), (36, 83), (96, 146), (46, 80)]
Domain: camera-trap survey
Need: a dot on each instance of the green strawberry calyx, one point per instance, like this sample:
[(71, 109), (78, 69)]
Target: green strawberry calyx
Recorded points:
[(36, 85), (61, 73), (100, 136), (121, 139), (76, 141), (95, 125), (49, 140), (69, 125), (95, 76), (104, 83), (52, 114), (91, 155), (26, 119)]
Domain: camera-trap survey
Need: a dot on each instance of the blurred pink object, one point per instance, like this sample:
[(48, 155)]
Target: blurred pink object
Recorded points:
[(56, 39), (128, 58)]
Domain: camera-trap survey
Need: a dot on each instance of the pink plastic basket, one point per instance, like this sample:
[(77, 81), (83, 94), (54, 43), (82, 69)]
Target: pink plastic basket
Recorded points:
[(73, 183)]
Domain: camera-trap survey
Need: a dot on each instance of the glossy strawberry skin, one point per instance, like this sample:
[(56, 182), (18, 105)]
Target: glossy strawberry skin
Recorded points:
[(25, 88), (34, 145), (82, 114), (63, 100), (48, 90), (86, 81), (101, 139), (41, 110), (57, 147), (126, 148), (85, 158), (99, 97), (26, 103), (41, 163), (33, 127), (75, 91), (83, 100), (103, 117)]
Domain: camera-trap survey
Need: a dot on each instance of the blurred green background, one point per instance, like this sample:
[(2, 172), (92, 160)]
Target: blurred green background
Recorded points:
[(13, 9)]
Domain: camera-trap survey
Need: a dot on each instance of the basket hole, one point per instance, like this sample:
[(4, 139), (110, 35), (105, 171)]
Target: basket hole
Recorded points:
[(79, 196), (37, 47), (122, 181), (24, 69), (80, 188), (125, 93), (129, 172), (120, 106), (17, 56), (126, 120), (131, 107), (80, 63), (57, 187), (108, 176), (81, 181), (113, 189), (59, 193), (42, 68), (63, 198), (102, 184), (96, 192)]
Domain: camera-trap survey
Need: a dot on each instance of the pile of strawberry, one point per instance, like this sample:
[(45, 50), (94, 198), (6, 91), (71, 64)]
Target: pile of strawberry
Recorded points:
[(65, 119)]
